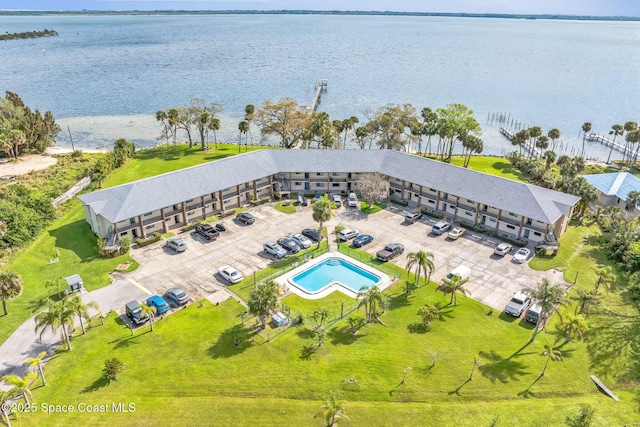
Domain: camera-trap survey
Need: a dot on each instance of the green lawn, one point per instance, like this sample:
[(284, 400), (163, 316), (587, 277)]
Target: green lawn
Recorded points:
[(287, 207), (282, 381), (371, 209), (493, 166)]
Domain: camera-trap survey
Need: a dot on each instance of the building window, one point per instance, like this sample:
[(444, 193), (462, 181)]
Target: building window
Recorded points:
[(492, 219), (189, 201), (432, 201), (512, 214), (318, 173), (336, 174), (470, 201), (335, 184), (149, 227), (124, 233), (319, 184), (468, 214), (297, 183), (148, 214), (535, 233), (190, 213), (511, 227), (433, 190), (132, 221)]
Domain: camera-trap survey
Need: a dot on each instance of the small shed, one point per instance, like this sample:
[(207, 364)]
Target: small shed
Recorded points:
[(75, 284), (279, 319)]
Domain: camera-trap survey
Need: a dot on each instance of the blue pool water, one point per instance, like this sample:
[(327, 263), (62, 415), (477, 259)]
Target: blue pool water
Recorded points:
[(333, 270)]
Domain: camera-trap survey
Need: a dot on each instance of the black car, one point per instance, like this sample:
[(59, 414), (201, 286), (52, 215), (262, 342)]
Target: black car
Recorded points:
[(207, 231), (312, 234), (246, 218), (219, 227), (289, 245)]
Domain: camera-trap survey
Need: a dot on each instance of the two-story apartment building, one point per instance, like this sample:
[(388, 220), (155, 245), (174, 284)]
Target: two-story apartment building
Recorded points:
[(174, 199)]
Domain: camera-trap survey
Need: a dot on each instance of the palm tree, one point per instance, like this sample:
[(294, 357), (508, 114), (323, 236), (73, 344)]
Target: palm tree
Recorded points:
[(605, 277), (21, 385), (454, 285), (586, 299), (534, 133), (628, 127), (82, 310), (331, 411), (476, 362), (322, 212), (552, 354), (553, 135), (263, 299), (249, 113), (549, 158), (586, 127), (549, 297), (4, 413), (214, 125), (243, 127), (577, 324), (161, 116), (370, 298), (633, 199), (422, 261), (616, 131), (337, 231), (60, 315), (148, 310), (36, 363), (10, 288)]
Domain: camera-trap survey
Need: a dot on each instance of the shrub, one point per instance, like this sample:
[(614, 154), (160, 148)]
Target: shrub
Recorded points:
[(475, 227), (125, 245), (259, 202), (228, 213), (154, 238), (112, 367), (189, 227), (509, 239), (400, 202), (434, 214)]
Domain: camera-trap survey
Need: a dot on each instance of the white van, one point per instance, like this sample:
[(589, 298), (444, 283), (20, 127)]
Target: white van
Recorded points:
[(353, 200), (462, 270)]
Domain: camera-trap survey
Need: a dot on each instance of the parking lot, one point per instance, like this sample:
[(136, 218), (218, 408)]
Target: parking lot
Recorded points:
[(493, 279)]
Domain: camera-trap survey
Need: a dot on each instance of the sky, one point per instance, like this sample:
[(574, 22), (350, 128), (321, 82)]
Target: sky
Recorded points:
[(561, 7)]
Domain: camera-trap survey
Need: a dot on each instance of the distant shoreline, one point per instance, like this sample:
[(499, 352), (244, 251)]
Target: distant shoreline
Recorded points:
[(319, 12)]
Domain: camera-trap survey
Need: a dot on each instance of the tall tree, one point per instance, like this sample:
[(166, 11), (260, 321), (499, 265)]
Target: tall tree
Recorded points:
[(616, 130), (10, 288), (373, 187), (263, 299), (457, 120), (549, 297), (249, 115), (20, 385), (36, 363), (549, 158), (285, 120), (243, 127), (202, 116), (628, 127), (633, 200), (554, 135), (423, 262), (322, 212), (59, 315), (552, 354), (605, 277), (430, 120), (453, 286), (370, 298), (575, 324), (214, 125), (81, 309), (149, 310), (586, 300), (429, 313), (162, 117), (471, 144), (586, 127)]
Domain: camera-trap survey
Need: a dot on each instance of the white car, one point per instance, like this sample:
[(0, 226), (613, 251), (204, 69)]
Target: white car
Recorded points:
[(456, 233), (176, 244), (352, 200), (347, 234), (301, 240), (274, 249), (522, 255), (230, 273), (502, 249)]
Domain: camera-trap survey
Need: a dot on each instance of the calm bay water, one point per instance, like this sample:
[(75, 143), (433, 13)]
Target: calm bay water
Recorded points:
[(106, 76)]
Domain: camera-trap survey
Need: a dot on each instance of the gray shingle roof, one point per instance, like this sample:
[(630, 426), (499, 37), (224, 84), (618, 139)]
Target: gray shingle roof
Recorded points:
[(139, 197)]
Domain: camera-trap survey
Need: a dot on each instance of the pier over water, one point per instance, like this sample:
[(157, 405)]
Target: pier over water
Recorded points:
[(321, 86)]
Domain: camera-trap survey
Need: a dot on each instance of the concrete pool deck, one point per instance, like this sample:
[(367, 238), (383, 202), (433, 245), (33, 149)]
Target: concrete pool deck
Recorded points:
[(288, 285)]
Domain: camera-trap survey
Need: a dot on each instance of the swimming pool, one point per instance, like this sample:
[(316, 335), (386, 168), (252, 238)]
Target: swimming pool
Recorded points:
[(334, 271)]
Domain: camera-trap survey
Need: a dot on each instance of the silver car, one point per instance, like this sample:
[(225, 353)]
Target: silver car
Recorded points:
[(502, 249), (274, 249), (301, 240), (176, 244)]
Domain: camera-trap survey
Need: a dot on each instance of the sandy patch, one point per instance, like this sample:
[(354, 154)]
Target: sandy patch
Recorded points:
[(26, 164)]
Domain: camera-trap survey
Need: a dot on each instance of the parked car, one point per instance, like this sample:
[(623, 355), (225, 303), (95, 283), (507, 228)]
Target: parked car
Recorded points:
[(176, 244), (462, 271), (274, 249), (441, 227), (159, 303), (289, 245), (231, 274), (312, 234), (133, 309), (533, 314), (522, 255), (246, 218), (176, 296), (455, 233), (352, 200), (412, 217), (347, 234), (362, 240), (502, 249), (390, 251), (337, 200), (220, 227), (302, 241), (207, 231), (518, 304)]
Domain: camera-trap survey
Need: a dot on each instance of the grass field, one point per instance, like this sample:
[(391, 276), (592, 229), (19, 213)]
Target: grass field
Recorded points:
[(281, 382), (493, 166), (371, 209)]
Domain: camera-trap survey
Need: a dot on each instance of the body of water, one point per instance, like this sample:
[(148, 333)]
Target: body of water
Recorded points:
[(106, 76)]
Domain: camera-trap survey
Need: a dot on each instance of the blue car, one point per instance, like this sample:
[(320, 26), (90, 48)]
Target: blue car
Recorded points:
[(362, 240), (159, 303)]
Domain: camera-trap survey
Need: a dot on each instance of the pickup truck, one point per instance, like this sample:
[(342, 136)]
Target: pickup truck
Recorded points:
[(518, 304), (207, 231), (390, 251)]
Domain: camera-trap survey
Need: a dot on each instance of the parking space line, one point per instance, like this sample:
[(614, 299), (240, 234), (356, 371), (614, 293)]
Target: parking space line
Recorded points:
[(139, 286)]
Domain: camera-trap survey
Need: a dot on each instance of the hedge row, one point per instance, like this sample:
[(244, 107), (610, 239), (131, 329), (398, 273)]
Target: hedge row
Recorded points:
[(434, 214), (154, 238), (399, 201), (259, 202)]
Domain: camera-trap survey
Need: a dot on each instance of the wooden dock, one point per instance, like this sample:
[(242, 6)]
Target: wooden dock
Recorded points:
[(321, 86), (594, 137), (604, 388), (528, 146)]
